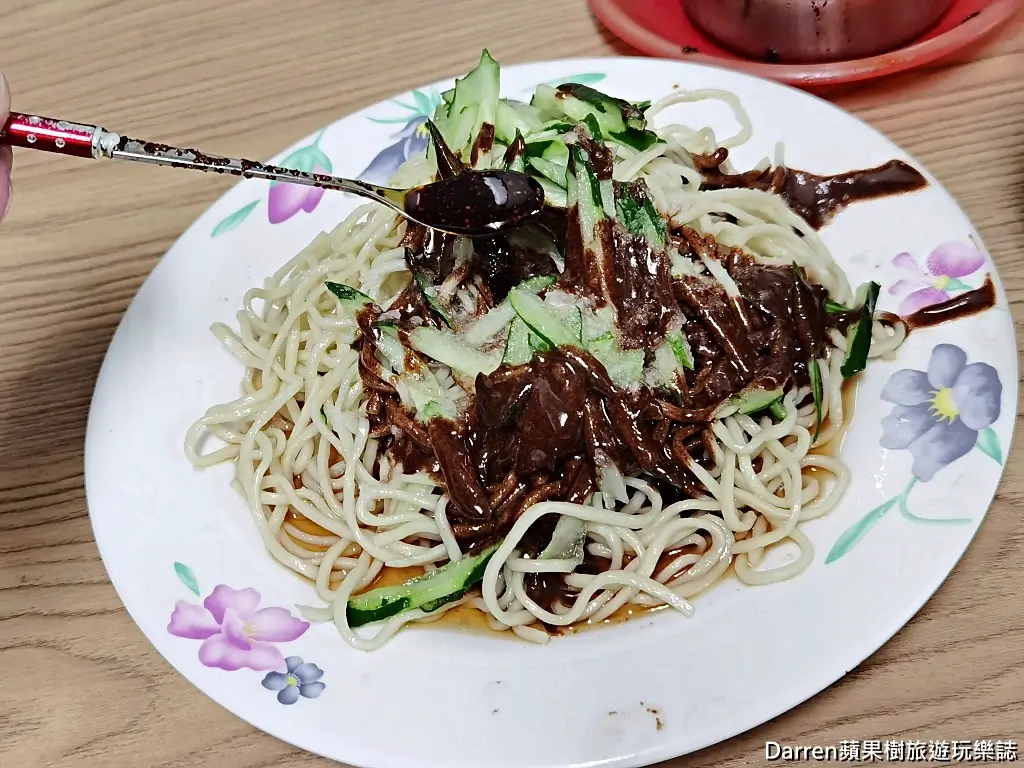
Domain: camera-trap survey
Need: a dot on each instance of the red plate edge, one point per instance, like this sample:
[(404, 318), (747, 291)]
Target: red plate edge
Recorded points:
[(613, 16)]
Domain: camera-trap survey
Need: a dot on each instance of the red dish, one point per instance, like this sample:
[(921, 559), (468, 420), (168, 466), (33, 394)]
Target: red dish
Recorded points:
[(660, 28)]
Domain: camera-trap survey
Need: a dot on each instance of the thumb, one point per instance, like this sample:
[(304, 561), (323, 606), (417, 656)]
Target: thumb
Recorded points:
[(5, 98), (6, 156)]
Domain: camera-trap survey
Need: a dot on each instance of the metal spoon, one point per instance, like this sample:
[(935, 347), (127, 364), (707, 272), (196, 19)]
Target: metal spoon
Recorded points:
[(474, 203)]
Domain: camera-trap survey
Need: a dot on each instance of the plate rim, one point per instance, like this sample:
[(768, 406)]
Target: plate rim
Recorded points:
[(653, 750)]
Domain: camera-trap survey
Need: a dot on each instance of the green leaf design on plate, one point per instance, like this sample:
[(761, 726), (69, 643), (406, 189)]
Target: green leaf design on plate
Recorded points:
[(859, 530), (392, 120), (187, 577), (905, 511), (234, 220), (423, 103), (306, 159), (988, 443), (583, 78), (957, 285)]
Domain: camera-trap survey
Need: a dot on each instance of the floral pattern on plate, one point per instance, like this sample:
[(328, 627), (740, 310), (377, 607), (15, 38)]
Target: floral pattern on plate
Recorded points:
[(237, 634), (939, 278), (939, 416)]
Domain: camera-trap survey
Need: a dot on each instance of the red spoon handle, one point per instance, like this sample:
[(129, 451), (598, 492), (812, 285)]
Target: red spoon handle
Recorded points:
[(50, 135)]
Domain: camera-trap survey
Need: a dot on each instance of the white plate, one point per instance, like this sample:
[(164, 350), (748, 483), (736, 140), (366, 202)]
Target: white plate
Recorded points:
[(626, 695)]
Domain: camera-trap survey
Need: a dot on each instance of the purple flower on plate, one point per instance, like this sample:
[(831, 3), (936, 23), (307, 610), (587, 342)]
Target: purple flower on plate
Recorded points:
[(411, 140), (939, 412), (286, 200), (939, 278), (300, 679), (235, 631)]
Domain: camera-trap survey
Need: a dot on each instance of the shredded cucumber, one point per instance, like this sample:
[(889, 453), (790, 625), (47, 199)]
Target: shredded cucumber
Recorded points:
[(488, 326), (447, 349), (428, 592), (819, 396), (517, 345), (349, 297), (473, 103), (858, 338), (567, 541), (542, 319), (681, 349), (511, 118), (551, 171), (554, 195)]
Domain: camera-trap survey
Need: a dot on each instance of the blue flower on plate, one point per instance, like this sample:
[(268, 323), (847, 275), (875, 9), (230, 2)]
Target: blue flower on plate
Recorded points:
[(939, 416), (940, 412), (302, 679), (410, 141)]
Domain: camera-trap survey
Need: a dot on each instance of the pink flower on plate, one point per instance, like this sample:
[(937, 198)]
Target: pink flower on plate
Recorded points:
[(286, 200), (939, 279), (236, 633)]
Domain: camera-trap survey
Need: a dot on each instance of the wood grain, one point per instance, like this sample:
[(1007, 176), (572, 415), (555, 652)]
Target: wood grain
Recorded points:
[(80, 686)]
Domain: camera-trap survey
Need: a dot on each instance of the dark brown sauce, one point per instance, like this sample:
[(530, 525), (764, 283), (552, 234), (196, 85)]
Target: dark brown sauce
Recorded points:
[(815, 198), (956, 308), (476, 202)]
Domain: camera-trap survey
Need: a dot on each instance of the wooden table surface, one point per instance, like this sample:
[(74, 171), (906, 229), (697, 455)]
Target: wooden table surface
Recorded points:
[(79, 685)]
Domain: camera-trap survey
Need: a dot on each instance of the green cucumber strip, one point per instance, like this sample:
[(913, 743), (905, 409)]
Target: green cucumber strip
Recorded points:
[(538, 344), (474, 103), (432, 410), (514, 118), (625, 369), (860, 296), (349, 297), (541, 318), (488, 326), (537, 284), (545, 100), (572, 318), (387, 344), (554, 195), (755, 400), (443, 347), (681, 349), (553, 172), (428, 592), (430, 294), (567, 540), (554, 150), (777, 410), (614, 113), (558, 106), (858, 339), (658, 233), (834, 307), (819, 395), (518, 164), (553, 129), (517, 345), (641, 141), (586, 191), (594, 127), (630, 214)]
